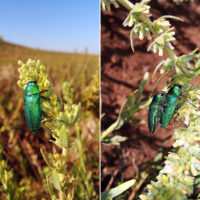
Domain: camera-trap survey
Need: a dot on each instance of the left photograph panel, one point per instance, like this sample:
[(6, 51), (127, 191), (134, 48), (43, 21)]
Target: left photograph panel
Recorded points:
[(49, 100)]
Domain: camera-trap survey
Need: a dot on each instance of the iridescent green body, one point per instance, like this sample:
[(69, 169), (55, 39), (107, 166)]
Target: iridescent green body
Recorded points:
[(170, 104), (155, 110), (32, 105)]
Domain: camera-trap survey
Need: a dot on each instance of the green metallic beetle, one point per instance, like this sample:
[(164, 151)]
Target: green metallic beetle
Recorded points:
[(32, 105), (170, 104), (155, 110)]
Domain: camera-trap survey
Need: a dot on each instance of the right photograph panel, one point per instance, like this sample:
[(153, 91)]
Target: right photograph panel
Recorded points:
[(150, 91)]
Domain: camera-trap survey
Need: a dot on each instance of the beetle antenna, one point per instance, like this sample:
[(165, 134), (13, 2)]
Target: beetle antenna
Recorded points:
[(60, 120), (189, 102)]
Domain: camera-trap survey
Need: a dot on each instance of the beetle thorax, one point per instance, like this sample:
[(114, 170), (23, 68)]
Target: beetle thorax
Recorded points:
[(31, 88)]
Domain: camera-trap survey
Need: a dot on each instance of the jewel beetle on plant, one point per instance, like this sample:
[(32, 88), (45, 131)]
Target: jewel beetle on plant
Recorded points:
[(170, 104), (155, 110), (33, 105)]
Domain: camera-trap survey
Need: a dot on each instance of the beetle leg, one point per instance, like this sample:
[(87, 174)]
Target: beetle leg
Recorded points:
[(46, 98), (43, 91), (45, 113)]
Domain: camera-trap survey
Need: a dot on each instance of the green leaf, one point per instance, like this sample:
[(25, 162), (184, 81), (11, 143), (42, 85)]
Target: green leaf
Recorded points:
[(45, 159), (132, 39), (56, 181), (130, 101), (171, 17), (135, 120), (158, 157), (114, 140), (63, 136), (150, 46), (131, 108), (124, 104), (168, 65), (157, 67), (141, 88), (53, 197), (117, 190), (157, 82), (121, 118)]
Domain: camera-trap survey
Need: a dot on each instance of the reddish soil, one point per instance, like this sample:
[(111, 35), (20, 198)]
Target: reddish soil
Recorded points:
[(122, 72)]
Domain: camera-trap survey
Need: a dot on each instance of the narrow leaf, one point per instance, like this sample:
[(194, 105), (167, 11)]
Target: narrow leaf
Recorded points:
[(56, 181), (117, 190), (172, 17), (53, 197), (134, 92), (63, 136), (120, 122), (45, 159), (114, 140), (132, 39), (155, 85), (135, 120), (150, 46), (123, 106), (130, 101), (141, 88), (157, 67)]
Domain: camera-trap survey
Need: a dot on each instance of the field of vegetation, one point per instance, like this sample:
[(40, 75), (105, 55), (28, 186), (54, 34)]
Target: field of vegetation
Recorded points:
[(24, 172)]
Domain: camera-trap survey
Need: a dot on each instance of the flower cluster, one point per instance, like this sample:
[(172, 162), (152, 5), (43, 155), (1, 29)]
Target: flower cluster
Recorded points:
[(68, 93), (159, 44), (176, 179), (33, 71), (138, 14), (160, 25), (139, 19), (142, 30)]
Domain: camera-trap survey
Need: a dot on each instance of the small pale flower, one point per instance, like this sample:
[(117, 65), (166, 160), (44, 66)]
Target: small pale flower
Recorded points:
[(194, 170), (143, 197), (159, 43), (167, 169), (160, 25), (178, 143), (137, 14), (142, 30), (187, 120)]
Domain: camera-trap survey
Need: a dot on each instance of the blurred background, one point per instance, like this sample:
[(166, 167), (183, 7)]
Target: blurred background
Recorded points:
[(64, 36), (121, 72)]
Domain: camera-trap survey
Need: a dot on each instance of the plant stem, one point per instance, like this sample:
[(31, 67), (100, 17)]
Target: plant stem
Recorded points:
[(61, 176), (64, 153), (112, 127), (109, 130), (83, 168), (61, 195), (127, 4)]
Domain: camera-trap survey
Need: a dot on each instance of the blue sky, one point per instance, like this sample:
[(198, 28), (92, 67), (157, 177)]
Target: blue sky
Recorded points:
[(62, 25)]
